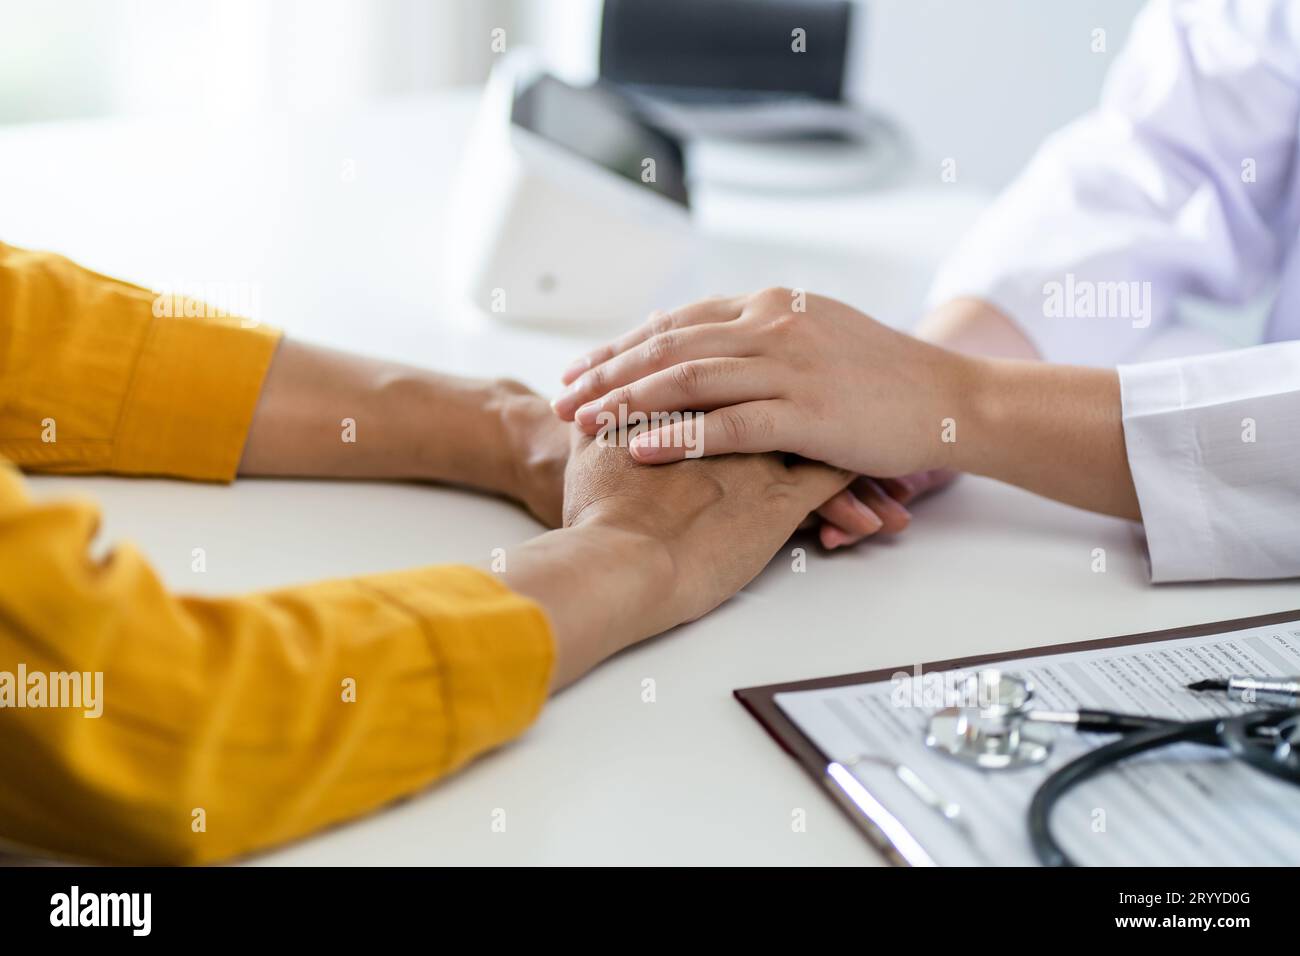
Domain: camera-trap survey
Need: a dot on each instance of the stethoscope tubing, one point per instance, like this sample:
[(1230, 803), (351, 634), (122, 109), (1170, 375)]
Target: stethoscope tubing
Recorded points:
[(1109, 722), (1079, 769), (1228, 733)]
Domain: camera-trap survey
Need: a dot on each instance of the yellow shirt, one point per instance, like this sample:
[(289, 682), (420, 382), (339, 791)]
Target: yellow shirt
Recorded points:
[(231, 724)]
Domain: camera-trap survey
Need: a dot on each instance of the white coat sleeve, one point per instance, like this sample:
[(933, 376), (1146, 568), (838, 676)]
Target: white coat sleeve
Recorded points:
[(1213, 444), (1173, 186)]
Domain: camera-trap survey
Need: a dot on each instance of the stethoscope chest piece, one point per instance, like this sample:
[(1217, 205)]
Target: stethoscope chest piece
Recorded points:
[(992, 734)]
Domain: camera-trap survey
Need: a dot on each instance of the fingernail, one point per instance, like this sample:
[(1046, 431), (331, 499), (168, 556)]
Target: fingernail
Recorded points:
[(563, 404), (643, 451), (587, 414), (832, 537), (873, 520), (574, 370)]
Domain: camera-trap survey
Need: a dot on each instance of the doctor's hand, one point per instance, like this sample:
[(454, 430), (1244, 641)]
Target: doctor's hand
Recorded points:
[(777, 370), (806, 374)]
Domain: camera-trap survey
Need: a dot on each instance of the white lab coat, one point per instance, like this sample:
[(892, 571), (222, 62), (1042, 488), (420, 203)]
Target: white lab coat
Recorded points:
[(1183, 184)]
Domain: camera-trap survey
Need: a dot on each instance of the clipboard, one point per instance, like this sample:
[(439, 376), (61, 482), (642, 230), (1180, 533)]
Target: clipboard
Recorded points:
[(761, 703)]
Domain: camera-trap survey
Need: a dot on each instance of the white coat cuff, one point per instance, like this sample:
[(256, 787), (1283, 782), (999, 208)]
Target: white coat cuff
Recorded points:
[(1164, 461)]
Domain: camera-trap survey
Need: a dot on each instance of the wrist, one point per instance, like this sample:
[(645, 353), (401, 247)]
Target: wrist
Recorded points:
[(977, 399), (454, 428), (534, 447), (1056, 430), (958, 391), (646, 560), (511, 468), (603, 588), (520, 416)]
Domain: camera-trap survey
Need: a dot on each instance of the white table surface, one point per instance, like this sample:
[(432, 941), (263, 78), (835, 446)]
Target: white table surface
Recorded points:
[(338, 219)]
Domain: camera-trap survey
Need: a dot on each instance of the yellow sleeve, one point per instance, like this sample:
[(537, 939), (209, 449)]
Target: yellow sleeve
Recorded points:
[(97, 374), (139, 727)]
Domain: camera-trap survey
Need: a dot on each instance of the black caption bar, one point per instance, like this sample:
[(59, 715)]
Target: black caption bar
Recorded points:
[(437, 907)]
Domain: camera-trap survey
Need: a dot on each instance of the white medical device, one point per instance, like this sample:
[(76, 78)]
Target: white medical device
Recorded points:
[(569, 208)]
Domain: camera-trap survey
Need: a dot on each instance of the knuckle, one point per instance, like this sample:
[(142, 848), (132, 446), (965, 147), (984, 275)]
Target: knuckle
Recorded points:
[(660, 322), (746, 429), (596, 380), (734, 428), (762, 425), (782, 498), (687, 377), (511, 386), (773, 297), (661, 348), (783, 323)]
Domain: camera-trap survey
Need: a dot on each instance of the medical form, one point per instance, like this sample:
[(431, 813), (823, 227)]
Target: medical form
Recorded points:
[(1182, 806)]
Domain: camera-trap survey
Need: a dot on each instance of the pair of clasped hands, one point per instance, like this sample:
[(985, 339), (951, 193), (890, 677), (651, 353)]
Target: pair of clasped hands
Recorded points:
[(805, 407), (799, 406), (780, 371), (808, 407)]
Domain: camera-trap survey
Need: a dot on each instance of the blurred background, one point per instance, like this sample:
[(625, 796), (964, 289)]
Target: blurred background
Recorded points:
[(983, 81), (330, 154)]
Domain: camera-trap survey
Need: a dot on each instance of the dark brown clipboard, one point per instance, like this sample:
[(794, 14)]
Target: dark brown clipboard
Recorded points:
[(761, 701)]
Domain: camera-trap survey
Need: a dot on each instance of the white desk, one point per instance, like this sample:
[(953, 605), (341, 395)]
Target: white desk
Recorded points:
[(602, 777)]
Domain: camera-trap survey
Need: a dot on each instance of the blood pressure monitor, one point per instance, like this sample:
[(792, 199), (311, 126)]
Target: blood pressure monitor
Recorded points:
[(569, 207)]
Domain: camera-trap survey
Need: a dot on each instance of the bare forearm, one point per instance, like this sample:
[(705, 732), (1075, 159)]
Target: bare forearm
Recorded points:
[(1053, 429), (324, 413), (1056, 430)]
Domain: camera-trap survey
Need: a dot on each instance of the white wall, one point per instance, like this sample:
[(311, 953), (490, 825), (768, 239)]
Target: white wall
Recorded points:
[(70, 58), (983, 81)]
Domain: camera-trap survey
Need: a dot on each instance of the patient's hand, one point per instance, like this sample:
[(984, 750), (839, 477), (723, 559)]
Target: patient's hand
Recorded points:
[(875, 505), (720, 520), (645, 549)]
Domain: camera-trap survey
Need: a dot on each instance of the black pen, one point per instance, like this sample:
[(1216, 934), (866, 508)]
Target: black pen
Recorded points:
[(1284, 691)]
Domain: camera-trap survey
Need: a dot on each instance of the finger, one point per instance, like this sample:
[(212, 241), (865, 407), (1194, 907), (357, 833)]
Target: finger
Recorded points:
[(907, 488), (752, 427), (889, 516), (701, 385), (653, 355), (853, 519), (893, 515), (716, 309), (832, 537)]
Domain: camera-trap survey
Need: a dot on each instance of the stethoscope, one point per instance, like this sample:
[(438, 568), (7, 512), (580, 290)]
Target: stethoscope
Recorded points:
[(1001, 732)]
